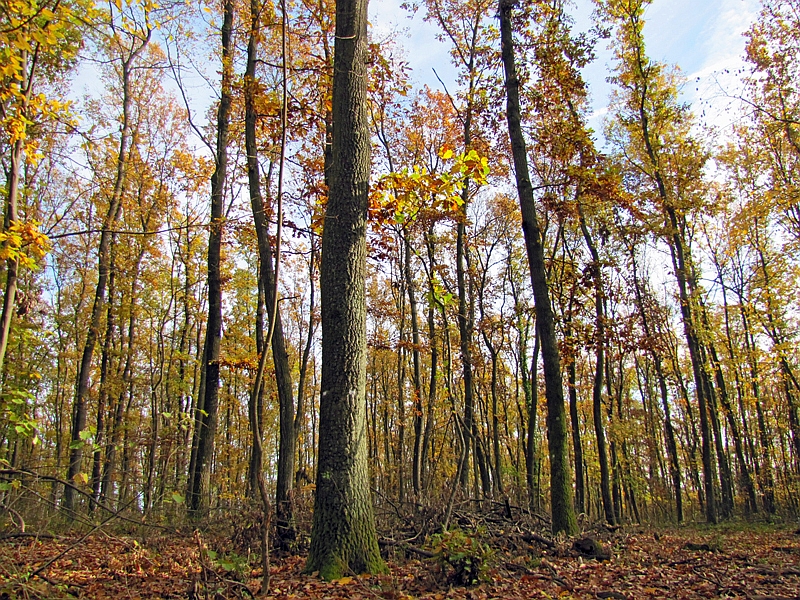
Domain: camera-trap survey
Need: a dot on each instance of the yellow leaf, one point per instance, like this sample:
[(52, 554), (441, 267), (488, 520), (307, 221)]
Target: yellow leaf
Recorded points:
[(345, 580)]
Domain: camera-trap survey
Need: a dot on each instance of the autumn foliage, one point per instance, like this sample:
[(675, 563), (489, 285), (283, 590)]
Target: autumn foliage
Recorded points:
[(634, 349)]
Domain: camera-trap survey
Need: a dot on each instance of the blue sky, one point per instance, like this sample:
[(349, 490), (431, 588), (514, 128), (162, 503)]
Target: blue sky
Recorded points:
[(703, 37)]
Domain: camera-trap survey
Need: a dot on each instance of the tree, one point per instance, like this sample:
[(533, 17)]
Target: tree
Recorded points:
[(666, 162), (39, 42), (343, 536), (563, 513), (207, 406), (267, 282), (464, 25), (128, 37)]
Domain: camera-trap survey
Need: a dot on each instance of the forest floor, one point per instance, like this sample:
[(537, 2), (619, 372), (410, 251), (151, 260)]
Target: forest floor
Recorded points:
[(739, 560)]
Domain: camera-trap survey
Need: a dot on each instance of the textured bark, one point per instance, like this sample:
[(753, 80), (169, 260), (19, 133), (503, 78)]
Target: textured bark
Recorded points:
[(343, 536), (560, 489), (206, 412)]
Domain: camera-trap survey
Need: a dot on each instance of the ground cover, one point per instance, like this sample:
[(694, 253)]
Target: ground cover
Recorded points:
[(741, 560)]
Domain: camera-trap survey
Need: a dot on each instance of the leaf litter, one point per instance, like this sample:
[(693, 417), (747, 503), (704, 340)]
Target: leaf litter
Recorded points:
[(743, 561)]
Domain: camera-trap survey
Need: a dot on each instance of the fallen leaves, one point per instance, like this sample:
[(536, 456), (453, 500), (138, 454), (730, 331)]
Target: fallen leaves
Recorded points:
[(750, 563)]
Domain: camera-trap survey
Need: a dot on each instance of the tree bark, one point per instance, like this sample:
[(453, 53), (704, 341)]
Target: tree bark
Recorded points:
[(563, 514), (343, 535), (206, 412), (280, 357)]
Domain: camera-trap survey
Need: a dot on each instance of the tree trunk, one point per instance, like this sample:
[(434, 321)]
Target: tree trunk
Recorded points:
[(206, 411), (767, 479), (416, 474), (465, 322), (343, 535), (672, 446), (280, 357), (530, 443), (577, 447), (102, 397), (79, 412), (560, 488), (12, 264), (434, 364), (597, 388)]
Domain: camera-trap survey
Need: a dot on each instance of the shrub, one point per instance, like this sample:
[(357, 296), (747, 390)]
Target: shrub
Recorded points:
[(466, 556)]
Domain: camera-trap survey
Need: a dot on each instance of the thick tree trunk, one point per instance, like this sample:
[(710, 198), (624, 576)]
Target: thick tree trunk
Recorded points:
[(560, 488), (206, 411), (343, 536)]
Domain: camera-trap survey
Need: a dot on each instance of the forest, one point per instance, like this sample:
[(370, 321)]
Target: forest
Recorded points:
[(254, 277)]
